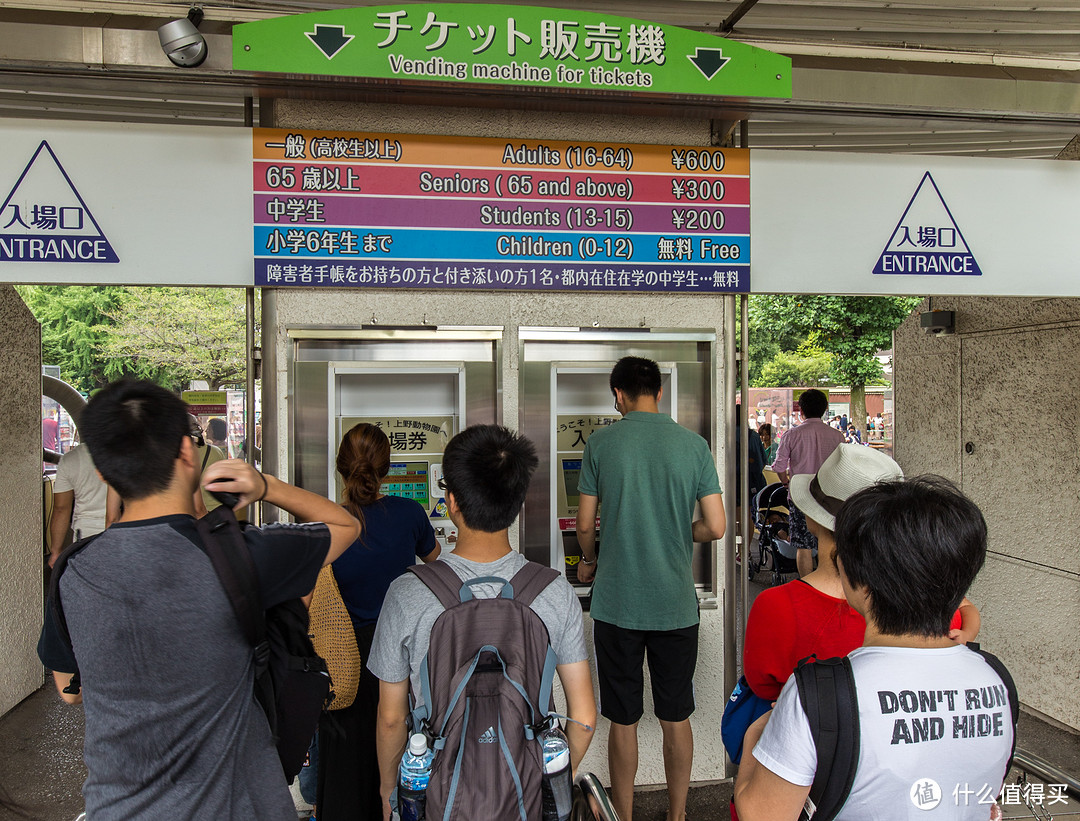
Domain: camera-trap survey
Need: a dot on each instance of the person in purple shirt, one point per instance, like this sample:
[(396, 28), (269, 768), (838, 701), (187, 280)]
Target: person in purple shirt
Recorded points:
[(803, 450)]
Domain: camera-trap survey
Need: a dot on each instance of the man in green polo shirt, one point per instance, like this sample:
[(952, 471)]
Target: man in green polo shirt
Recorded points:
[(649, 472)]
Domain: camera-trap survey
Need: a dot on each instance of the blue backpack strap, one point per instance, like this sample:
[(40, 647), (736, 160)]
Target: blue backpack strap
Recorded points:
[(512, 767), (528, 583), (465, 680), (827, 693), (544, 699), (465, 593)]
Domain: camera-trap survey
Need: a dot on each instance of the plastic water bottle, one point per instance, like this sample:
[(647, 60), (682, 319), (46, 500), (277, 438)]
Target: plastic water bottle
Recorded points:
[(414, 774), (557, 787)]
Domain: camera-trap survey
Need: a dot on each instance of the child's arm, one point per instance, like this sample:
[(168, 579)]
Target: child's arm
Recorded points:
[(971, 621)]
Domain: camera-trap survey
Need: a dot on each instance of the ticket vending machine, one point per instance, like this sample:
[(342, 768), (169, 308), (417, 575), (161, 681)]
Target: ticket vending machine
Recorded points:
[(565, 398), (582, 404), (419, 408), (420, 386)]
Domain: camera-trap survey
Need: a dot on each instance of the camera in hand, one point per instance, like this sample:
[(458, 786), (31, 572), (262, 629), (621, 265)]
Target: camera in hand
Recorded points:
[(226, 498)]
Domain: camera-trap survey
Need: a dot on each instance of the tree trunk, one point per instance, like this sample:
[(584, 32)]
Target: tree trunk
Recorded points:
[(857, 409)]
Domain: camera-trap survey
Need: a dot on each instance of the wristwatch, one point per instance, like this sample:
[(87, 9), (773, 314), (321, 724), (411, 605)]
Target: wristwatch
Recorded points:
[(586, 561)]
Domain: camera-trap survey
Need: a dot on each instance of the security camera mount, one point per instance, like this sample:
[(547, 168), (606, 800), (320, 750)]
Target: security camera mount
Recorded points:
[(936, 323), (181, 41)]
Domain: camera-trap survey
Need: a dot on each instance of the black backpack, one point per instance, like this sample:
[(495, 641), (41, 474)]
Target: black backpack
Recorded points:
[(292, 684), (486, 682), (828, 697)]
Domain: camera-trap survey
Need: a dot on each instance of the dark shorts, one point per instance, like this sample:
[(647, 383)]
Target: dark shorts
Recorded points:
[(620, 654)]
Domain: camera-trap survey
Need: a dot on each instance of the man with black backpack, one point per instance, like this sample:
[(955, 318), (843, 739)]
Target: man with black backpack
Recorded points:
[(172, 726), (498, 625), (911, 721)]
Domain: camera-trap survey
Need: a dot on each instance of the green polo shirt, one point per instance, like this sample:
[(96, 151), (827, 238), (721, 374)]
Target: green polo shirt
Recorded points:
[(648, 472)]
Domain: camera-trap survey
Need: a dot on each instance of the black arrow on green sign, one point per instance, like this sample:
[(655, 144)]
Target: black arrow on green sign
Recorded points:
[(329, 39), (709, 61)]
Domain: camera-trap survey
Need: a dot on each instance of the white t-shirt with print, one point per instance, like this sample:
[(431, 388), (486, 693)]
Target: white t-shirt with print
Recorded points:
[(936, 732)]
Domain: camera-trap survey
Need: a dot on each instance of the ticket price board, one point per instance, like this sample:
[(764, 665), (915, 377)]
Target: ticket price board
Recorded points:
[(355, 210)]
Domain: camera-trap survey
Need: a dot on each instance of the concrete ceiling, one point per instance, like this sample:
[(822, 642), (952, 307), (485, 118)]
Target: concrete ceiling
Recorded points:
[(964, 77)]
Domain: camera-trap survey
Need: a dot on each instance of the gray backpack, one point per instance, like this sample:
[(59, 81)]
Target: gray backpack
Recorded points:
[(486, 685)]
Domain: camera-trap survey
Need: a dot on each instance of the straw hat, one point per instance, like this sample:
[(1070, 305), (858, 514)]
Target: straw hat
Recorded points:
[(849, 469)]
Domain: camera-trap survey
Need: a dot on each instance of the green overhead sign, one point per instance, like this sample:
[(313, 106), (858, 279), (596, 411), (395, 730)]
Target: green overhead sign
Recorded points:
[(509, 45)]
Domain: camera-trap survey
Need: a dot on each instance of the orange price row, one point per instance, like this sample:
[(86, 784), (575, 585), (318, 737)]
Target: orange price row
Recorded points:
[(487, 152)]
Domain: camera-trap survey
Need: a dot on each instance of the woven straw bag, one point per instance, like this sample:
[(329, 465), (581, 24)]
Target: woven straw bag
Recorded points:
[(334, 638)]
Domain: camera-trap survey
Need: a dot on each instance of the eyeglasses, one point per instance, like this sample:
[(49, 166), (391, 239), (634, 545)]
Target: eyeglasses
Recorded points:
[(441, 484)]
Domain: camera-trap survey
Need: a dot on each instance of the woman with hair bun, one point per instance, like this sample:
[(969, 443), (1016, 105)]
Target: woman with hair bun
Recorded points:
[(395, 532)]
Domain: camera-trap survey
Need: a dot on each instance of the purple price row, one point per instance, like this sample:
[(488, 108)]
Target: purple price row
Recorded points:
[(409, 212)]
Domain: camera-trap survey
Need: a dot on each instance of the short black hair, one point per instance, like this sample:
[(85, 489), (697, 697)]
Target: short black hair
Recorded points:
[(915, 545), (635, 376), (134, 430), (217, 429), (488, 468), (813, 403)]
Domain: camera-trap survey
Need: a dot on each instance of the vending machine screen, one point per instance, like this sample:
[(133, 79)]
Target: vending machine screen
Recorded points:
[(571, 473), (409, 480)]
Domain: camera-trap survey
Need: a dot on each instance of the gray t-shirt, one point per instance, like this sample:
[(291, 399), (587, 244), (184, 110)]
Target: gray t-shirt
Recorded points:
[(404, 628), (172, 726)]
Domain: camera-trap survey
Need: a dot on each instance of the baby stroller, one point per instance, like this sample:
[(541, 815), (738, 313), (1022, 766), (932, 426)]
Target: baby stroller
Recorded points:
[(775, 552)]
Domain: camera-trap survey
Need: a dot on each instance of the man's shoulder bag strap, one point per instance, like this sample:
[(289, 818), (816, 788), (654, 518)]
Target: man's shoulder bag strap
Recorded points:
[(1010, 686), (827, 693), (224, 544), (75, 686)]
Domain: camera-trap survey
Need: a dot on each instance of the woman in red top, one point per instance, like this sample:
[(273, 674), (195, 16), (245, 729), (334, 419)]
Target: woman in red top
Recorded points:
[(810, 615)]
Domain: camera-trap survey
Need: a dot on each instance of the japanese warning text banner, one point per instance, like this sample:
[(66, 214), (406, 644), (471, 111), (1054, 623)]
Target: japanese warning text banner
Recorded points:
[(406, 211)]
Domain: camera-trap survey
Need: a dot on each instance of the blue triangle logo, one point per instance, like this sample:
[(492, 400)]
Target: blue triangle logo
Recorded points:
[(45, 219), (927, 241)]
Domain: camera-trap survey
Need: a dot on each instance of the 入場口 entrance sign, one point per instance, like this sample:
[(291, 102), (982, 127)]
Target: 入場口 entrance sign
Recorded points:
[(510, 45), (837, 223), (94, 204), (338, 209)]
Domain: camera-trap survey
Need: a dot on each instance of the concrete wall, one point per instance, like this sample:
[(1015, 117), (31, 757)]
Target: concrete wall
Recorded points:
[(1006, 387), (344, 308), (20, 488)]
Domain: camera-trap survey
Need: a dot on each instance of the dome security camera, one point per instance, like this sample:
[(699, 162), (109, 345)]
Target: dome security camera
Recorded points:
[(182, 43)]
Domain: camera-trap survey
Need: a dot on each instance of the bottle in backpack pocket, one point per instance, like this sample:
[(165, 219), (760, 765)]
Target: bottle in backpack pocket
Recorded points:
[(414, 774), (557, 787)]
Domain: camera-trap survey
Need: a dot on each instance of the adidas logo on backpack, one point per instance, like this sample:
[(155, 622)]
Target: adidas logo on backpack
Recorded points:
[(489, 665)]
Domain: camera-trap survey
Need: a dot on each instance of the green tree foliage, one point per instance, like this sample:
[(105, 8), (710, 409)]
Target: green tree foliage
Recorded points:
[(807, 367), (170, 335), (850, 328), (767, 339), (75, 323), (184, 333)]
